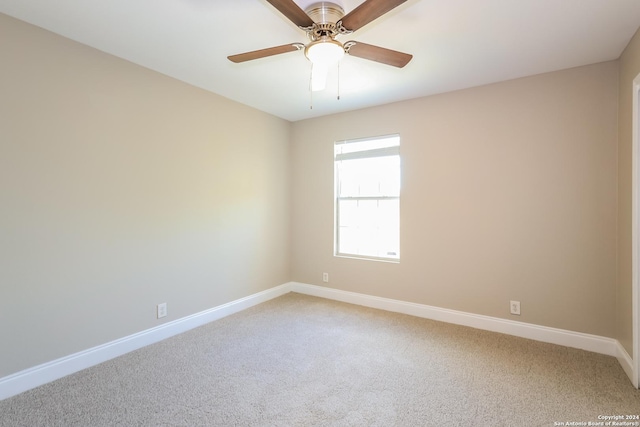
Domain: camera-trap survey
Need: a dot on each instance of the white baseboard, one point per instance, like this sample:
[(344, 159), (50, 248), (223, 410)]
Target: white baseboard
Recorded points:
[(594, 343), (626, 362), (50, 371)]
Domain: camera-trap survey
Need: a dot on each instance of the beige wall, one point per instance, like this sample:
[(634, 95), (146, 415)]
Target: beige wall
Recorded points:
[(121, 188), (629, 69), (509, 192)]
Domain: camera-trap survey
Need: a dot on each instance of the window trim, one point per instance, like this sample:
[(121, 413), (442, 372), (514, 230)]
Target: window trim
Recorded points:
[(365, 154)]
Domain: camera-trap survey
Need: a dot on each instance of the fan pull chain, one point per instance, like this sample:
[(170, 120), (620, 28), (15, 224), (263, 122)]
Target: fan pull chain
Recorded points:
[(311, 88), (338, 81)]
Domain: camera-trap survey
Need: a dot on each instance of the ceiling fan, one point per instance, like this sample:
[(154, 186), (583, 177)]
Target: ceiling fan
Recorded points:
[(323, 22)]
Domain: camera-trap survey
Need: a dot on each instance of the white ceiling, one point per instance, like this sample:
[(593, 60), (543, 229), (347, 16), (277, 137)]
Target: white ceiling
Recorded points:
[(455, 43)]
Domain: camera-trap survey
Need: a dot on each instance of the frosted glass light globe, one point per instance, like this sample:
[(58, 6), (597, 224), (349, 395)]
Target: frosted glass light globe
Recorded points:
[(324, 51)]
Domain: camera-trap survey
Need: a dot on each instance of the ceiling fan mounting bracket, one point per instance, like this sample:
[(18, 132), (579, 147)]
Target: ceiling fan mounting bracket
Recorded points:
[(348, 45), (341, 29)]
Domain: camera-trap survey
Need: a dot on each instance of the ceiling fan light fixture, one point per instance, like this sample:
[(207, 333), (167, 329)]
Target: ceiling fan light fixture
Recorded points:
[(324, 51)]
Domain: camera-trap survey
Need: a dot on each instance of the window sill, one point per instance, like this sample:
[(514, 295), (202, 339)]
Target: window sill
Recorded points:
[(368, 258)]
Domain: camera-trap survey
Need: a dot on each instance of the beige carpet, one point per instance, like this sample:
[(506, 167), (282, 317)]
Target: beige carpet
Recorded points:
[(305, 361)]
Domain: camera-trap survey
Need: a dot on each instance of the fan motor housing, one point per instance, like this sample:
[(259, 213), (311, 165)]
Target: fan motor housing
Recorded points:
[(325, 12), (324, 16)]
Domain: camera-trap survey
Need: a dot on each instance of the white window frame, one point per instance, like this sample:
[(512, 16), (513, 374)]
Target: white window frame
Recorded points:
[(370, 153)]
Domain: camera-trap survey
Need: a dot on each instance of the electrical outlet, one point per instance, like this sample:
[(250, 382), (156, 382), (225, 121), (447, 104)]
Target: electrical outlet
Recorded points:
[(515, 307), (325, 277), (162, 310)]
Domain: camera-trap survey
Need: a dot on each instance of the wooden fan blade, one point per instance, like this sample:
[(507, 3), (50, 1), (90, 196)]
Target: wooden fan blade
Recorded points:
[(293, 12), (378, 54), (263, 53), (367, 12)]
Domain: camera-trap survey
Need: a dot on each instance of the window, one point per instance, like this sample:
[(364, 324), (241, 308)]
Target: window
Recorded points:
[(367, 178)]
